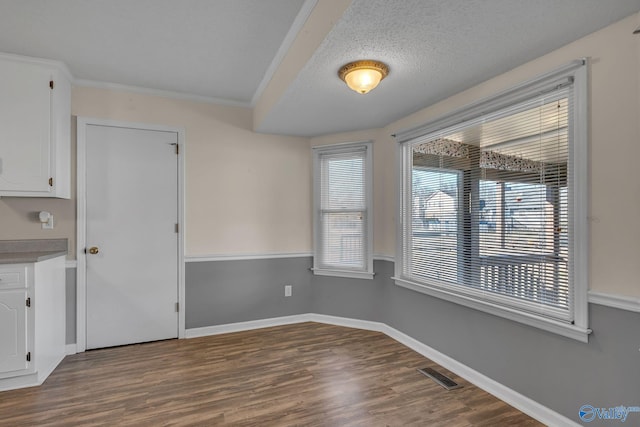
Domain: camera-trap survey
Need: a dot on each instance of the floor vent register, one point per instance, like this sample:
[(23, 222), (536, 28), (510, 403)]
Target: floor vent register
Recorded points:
[(439, 378)]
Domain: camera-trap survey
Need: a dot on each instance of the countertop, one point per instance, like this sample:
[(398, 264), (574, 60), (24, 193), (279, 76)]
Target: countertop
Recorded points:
[(24, 257), (25, 251)]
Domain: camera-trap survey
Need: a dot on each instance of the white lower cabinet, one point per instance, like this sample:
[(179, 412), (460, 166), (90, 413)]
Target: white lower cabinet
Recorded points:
[(32, 321), (13, 331)]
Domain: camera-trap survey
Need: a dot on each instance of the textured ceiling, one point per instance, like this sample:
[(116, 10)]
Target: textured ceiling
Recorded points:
[(227, 51), (434, 49)]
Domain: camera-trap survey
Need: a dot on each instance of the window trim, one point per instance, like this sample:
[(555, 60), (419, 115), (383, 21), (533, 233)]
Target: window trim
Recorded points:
[(368, 229), (577, 72)]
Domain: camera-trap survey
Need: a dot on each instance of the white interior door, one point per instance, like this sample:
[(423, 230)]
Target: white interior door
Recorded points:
[(131, 240)]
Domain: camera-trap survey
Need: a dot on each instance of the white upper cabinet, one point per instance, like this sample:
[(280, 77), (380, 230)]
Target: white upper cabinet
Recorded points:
[(35, 123)]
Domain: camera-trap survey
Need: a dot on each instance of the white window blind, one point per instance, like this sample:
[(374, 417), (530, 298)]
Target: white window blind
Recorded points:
[(488, 207), (342, 217)]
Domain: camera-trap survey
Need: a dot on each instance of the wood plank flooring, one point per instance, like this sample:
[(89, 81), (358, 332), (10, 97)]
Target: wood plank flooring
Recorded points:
[(306, 374)]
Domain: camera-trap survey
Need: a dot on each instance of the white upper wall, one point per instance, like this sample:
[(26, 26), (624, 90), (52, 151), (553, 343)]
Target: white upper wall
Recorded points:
[(614, 151), (614, 205), (246, 193), (249, 193)]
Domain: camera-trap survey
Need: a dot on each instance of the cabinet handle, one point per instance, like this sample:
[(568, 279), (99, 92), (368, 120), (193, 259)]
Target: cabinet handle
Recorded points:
[(94, 250)]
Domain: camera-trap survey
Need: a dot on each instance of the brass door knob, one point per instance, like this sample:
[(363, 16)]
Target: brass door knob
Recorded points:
[(94, 250)]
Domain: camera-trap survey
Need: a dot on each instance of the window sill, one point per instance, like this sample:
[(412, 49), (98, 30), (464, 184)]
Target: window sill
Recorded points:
[(343, 273), (565, 329)]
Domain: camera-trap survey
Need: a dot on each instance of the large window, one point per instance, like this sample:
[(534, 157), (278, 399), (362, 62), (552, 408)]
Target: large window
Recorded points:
[(342, 214), (493, 205)]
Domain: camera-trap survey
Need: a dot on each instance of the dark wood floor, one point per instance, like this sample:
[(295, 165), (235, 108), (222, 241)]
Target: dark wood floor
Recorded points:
[(307, 374)]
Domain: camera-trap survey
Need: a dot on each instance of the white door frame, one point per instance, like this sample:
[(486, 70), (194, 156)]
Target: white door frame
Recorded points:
[(81, 221)]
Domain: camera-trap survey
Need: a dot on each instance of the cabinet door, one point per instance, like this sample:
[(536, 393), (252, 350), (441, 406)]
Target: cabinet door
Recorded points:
[(25, 127), (13, 331)]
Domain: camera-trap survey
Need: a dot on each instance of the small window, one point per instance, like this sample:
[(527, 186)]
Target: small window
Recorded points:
[(493, 203), (342, 211)]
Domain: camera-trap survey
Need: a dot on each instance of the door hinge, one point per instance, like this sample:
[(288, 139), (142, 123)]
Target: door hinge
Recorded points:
[(177, 228), (50, 182), (28, 302), (177, 149), (29, 357), (51, 84), (177, 307)]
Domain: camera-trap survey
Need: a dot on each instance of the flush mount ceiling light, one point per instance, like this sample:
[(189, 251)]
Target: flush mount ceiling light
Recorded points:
[(362, 76)]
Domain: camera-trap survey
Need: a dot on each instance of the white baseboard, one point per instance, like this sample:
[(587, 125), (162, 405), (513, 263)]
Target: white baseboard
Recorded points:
[(44, 373), (502, 392), (30, 380), (246, 326), (22, 381), (71, 349), (528, 406), (367, 325)]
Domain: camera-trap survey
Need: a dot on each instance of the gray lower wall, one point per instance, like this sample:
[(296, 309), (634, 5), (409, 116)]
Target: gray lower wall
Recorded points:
[(71, 306), (353, 298), (221, 292), (558, 372)]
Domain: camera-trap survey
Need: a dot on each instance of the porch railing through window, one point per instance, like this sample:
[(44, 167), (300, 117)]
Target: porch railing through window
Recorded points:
[(528, 277)]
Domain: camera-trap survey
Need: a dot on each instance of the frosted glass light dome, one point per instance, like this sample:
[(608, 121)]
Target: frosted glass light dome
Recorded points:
[(363, 76)]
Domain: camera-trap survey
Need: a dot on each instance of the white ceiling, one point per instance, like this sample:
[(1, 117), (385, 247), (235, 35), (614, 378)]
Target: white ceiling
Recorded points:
[(218, 49), (227, 51)]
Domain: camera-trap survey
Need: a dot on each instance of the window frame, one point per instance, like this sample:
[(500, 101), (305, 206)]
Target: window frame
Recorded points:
[(367, 243), (577, 72)]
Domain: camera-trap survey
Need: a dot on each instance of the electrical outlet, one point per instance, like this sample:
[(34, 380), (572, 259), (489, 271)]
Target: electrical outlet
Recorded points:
[(287, 290), (46, 219), (49, 224)]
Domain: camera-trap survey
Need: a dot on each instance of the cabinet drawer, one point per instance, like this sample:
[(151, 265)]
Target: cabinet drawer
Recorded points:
[(12, 278)]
